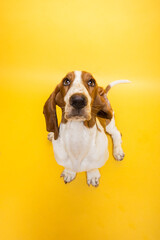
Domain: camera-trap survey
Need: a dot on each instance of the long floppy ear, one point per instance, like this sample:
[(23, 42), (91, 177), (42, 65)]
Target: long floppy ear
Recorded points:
[(49, 111), (101, 105)]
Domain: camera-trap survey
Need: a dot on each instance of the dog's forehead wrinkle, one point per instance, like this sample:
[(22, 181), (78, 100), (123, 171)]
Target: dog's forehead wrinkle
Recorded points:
[(70, 75), (86, 75)]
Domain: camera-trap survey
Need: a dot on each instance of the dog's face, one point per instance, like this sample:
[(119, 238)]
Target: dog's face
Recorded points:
[(80, 99), (79, 89)]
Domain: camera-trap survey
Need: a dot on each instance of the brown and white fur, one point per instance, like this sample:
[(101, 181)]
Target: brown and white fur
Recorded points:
[(80, 142)]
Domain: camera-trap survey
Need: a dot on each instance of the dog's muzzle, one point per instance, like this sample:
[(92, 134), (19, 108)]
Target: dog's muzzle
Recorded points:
[(78, 101)]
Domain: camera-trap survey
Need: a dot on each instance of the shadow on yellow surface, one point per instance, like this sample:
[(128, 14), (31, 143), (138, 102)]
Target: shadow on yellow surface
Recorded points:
[(41, 41)]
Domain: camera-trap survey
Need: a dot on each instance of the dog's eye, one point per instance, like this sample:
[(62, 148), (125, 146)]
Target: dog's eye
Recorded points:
[(91, 83), (66, 82)]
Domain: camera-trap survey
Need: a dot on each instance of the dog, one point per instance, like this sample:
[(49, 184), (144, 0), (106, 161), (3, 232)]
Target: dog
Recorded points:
[(80, 142)]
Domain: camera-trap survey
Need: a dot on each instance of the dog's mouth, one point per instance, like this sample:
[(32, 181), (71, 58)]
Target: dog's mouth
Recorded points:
[(78, 115)]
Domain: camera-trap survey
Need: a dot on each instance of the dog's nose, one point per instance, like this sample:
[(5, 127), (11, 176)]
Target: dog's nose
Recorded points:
[(78, 101)]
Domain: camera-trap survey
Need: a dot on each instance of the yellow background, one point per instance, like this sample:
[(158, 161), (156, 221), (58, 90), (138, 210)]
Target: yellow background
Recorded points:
[(40, 41)]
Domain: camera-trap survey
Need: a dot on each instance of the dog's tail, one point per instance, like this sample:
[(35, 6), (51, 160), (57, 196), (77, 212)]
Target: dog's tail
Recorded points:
[(115, 83)]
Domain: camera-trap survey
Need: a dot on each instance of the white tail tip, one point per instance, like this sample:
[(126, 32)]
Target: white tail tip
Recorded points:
[(118, 82)]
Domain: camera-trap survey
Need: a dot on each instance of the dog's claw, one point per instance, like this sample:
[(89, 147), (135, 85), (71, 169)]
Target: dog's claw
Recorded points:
[(68, 175), (93, 182), (93, 178), (118, 154)]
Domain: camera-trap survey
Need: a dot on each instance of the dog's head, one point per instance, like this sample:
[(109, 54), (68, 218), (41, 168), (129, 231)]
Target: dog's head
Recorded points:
[(80, 99)]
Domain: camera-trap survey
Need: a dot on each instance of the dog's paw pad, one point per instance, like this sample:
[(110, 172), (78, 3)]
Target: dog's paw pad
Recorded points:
[(68, 176), (50, 136), (118, 154)]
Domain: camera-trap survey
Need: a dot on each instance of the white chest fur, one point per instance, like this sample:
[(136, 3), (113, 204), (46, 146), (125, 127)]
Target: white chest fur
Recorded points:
[(80, 148)]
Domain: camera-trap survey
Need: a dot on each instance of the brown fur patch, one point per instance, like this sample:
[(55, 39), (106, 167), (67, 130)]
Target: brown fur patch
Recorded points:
[(100, 105), (56, 98)]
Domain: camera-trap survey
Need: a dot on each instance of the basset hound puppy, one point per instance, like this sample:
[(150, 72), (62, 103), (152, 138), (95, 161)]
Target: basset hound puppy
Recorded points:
[(80, 142)]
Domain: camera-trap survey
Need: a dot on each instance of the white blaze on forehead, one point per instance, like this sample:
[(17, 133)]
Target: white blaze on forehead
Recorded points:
[(77, 87), (78, 75)]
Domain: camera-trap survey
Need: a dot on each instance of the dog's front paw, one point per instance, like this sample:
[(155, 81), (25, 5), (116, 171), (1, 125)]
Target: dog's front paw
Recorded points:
[(50, 136), (118, 153), (93, 177), (68, 175)]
